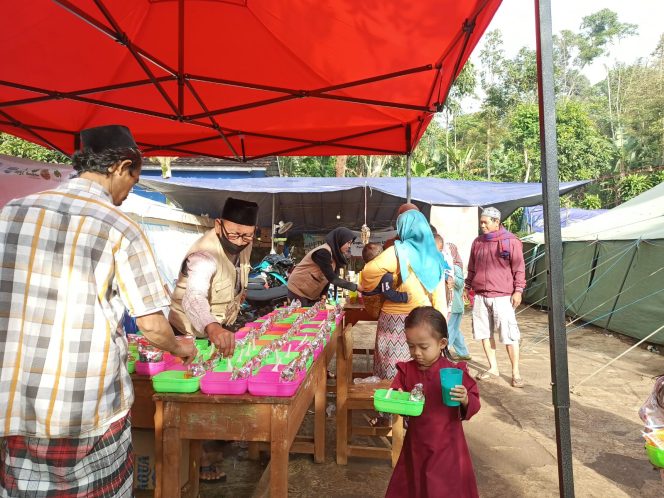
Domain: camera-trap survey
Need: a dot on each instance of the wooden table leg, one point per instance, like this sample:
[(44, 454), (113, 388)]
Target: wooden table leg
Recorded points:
[(279, 452), (195, 450), (320, 398), (158, 453), (254, 450), (171, 450)]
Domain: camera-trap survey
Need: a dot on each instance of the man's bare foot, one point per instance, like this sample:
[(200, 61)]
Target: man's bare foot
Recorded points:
[(211, 467)]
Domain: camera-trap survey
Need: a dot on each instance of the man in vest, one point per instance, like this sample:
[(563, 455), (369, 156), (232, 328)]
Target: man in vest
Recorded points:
[(213, 277), (209, 291)]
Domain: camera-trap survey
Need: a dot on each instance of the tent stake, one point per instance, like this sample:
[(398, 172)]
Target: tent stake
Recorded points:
[(553, 239)]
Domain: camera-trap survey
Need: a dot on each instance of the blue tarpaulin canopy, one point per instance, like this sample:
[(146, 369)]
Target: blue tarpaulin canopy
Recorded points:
[(320, 204)]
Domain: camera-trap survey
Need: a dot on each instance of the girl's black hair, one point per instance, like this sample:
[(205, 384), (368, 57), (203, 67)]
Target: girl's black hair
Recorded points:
[(434, 319), (98, 162)]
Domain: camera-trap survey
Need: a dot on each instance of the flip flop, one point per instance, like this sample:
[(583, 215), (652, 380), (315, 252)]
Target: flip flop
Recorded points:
[(517, 382), (214, 470), (486, 376)]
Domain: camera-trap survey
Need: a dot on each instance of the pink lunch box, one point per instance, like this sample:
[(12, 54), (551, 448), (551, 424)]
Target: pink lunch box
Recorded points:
[(150, 368), (268, 383), (221, 383)]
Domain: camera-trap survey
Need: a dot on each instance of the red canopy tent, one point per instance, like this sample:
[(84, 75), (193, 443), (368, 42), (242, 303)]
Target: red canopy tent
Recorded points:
[(243, 79), (238, 79)]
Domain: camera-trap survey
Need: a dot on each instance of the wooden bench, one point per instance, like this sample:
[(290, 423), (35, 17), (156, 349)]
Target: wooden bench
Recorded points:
[(352, 397)]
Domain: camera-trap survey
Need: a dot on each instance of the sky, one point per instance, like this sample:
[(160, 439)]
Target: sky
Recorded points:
[(516, 21)]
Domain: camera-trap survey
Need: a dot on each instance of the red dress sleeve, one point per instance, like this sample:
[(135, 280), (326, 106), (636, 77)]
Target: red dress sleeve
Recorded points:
[(399, 381), (473, 393)]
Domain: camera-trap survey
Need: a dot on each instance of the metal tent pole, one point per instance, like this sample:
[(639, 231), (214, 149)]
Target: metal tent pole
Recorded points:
[(408, 176), (272, 250), (409, 157), (555, 284)]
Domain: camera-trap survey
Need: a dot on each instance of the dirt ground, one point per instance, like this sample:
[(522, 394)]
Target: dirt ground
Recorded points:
[(512, 438)]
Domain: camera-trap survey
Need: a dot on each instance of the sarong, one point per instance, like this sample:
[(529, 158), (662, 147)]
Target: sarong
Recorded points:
[(391, 346), (92, 467)]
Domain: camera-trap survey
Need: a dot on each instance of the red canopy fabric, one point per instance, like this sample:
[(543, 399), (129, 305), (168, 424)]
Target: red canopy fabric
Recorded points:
[(238, 79)]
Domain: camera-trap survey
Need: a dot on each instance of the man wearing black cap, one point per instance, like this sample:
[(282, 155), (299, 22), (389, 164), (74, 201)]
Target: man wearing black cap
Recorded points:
[(71, 264), (213, 277), (209, 291)]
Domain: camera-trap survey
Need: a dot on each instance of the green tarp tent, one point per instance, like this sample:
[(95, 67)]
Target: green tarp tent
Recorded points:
[(613, 267)]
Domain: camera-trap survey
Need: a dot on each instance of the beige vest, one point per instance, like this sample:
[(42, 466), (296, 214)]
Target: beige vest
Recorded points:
[(307, 279), (224, 302)]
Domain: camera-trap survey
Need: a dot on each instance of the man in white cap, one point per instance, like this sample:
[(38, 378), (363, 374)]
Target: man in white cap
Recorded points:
[(72, 262), (496, 273)]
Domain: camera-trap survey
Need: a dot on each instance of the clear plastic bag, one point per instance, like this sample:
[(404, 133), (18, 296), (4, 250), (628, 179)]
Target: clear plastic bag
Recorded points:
[(367, 380)]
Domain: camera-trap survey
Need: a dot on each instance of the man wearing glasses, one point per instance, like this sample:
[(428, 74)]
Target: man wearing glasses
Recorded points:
[(213, 277)]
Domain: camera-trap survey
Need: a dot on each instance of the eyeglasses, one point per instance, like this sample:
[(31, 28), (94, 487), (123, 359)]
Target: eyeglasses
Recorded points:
[(246, 237)]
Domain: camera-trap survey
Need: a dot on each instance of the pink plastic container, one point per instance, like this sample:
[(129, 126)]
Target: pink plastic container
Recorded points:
[(221, 383), (294, 346), (148, 368), (310, 326), (308, 332), (177, 366), (268, 383), (297, 347)]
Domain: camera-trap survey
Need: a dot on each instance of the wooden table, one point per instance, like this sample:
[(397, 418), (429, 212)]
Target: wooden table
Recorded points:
[(354, 313), (272, 420)]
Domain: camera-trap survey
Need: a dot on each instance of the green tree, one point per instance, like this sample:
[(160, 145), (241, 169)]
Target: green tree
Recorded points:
[(17, 147)]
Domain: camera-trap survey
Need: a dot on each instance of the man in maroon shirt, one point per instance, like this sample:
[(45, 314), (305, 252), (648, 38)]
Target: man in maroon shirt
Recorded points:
[(496, 273)]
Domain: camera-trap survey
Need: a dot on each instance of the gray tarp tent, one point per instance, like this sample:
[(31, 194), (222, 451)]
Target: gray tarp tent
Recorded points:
[(314, 203), (613, 266)]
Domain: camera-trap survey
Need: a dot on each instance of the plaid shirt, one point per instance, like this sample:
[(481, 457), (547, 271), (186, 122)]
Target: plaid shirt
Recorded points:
[(71, 263)]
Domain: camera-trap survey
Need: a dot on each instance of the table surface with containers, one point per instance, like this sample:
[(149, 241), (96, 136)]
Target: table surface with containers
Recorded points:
[(260, 395)]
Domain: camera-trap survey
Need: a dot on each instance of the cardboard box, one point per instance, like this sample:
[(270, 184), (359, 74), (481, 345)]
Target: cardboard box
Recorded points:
[(145, 474)]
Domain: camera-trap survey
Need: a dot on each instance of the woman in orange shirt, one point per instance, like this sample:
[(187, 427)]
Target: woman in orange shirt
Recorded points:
[(418, 269)]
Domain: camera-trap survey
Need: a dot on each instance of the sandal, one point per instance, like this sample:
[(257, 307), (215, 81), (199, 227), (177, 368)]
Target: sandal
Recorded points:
[(486, 376), (379, 421), (212, 469), (517, 382)]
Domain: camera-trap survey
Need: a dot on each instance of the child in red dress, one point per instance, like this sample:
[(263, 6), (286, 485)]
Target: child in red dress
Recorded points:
[(434, 461)]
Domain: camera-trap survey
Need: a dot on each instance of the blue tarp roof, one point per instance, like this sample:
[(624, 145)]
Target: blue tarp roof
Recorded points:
[(315, 203)]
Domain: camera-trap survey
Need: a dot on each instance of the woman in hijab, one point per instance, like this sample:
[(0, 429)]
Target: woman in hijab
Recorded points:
[(320, 267), (418, 269)]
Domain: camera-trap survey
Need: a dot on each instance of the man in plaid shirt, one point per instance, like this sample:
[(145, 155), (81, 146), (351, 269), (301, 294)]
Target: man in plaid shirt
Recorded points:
[(72, 262)]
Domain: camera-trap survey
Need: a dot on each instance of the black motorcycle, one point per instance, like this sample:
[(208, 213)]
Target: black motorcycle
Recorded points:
[(267, 288)]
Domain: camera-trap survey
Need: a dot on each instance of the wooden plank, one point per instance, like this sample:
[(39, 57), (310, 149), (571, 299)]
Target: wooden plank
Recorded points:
[(342, 410), (369, 452), (228, 422), (397, 438), (190, 490), (320, 400), (254, 450), (263, 488), (223, 399), (304, 447), (158, 452), (143, 409), (171, 452), (279, 445), (372, 431)]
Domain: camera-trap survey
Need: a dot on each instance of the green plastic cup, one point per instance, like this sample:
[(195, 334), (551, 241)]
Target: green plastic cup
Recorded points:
[(449, 378)]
